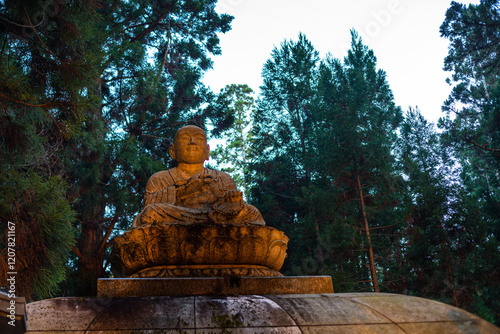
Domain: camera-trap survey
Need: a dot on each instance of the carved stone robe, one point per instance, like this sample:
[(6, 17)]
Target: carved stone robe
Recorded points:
[(170, 199)]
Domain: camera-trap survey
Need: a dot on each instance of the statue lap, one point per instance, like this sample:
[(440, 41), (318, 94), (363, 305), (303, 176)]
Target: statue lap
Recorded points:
[(172, 199)]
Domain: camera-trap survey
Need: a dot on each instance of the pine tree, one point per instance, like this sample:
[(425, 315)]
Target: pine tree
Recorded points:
[(283, 145), (447, 246), (47, 62), (126, 81), (471, 129), (237, 102), (428, 264), (143, 101), (474, 34), (358, 122), (473, 110)]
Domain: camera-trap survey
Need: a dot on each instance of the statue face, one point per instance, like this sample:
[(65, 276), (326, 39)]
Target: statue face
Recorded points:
[(190, 145)]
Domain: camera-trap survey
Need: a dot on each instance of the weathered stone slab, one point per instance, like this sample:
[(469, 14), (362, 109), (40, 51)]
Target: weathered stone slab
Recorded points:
[(358, 329), (256, 330), (400, 308), (249, 314), (143, 287), (12, 314), (449, 327), (65, 314), (229, 311), (147, 314), (308, 310)]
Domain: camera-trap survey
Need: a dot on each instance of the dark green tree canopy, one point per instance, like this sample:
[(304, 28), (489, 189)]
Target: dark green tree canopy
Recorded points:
[(237, 103), (93, 92), (474, 60)]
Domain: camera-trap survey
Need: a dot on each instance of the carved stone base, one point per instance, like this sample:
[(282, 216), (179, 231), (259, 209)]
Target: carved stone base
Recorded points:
[(199, 250), (206, 271)]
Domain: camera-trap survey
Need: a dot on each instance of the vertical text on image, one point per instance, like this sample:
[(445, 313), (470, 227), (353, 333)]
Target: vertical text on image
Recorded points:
[(11, 274)]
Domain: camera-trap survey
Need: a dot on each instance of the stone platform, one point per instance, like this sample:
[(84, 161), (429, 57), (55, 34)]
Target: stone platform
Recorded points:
[(249, 314), (12, 314), (221, 286)]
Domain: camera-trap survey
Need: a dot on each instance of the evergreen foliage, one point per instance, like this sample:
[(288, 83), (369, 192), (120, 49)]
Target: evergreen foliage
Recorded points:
[(43, 232), (103, 87), (472, 130), (319, 128), (356, 137), (428, 263), (91, 94), (283, 146), (237, 102), (335, 160), (46, 64)]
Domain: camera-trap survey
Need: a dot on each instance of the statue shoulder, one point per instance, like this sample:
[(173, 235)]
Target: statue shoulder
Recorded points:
[(161, 180)]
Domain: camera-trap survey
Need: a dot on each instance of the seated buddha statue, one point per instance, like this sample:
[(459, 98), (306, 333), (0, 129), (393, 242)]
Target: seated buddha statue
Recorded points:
[(191, 193)]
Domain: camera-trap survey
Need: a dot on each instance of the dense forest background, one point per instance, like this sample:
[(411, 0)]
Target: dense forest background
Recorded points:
[(92, 92)]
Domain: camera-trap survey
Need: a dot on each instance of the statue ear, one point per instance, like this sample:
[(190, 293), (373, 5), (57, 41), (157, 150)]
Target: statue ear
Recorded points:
[(171, 151), (208, 153)]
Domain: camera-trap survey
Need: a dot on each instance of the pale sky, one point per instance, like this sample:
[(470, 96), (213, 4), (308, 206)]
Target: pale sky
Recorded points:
[(404, 35)]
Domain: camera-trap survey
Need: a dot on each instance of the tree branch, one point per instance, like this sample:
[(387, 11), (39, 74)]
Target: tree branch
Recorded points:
[(39, 38), (25, 103), (163, 113), (106, 237), (76, 251), (150, 28), (483, 147), (162, 66), (22, 25), (381, 227)]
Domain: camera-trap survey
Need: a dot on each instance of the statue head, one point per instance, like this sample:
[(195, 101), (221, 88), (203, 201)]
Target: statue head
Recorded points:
[(190, 145)]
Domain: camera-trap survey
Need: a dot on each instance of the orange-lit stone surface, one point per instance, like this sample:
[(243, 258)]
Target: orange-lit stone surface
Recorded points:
[(145, 287), (193, 248)]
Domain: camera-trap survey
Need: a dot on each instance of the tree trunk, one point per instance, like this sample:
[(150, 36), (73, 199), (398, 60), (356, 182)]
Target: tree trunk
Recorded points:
[(452, 285), (450, 275), (92, 207), (319, 251), (367, 231), (90, 262)]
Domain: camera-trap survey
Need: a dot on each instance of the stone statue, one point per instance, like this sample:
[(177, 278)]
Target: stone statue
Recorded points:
[(196, 224), (190, 193)]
